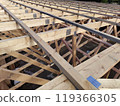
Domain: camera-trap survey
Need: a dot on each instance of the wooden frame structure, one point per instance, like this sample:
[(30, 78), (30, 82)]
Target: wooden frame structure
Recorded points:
[(85, 38)]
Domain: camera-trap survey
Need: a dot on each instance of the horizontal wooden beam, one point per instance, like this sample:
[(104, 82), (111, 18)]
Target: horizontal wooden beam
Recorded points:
[(19, 12), (13, 11), (95, 66), (57, 7), (17, 43), (77, 79), (109, 83), (11, 25)]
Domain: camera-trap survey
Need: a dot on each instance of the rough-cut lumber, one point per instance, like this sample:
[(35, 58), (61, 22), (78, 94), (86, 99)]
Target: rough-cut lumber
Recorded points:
[(11, 25), (29, 60), (12, 75), (24, 41), (109, 83), (68, 9), (23, 15), (95, 66), (77, 79)]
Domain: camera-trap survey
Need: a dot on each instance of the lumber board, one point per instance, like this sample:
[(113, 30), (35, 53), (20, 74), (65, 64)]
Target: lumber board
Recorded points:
[(54, 12), (13, 10), (29, 60), (19, 12), (71, 10), (92, 7), (109, 83), (89, 69), (95, 66), (11, 25), (21, 16), (17, 43), (12, 75), (77, 79)]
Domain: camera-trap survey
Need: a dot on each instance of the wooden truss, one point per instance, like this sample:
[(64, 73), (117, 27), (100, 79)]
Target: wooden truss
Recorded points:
[(69, 50)]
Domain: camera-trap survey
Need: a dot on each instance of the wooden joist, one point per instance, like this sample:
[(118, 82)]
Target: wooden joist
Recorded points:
[(11, 25), (17, 43), (77, 79), (68, 9), (109, 83), (95, 66), (12, 75)]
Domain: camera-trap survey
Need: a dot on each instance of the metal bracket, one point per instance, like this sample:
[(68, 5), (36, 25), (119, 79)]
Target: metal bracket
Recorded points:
[(35, 15), (47, 21), (26, 11), (68, 32)]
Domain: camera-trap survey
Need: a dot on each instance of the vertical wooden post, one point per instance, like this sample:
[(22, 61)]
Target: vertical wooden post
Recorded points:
[(74, 50), (56, 45)]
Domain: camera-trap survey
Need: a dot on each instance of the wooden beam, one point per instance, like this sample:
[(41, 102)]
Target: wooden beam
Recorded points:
[(29, 60), (77, 79), (23, 15), (11, 25), (17, 43), (95, 66), (68, 9), (12, 75), (109, 83)]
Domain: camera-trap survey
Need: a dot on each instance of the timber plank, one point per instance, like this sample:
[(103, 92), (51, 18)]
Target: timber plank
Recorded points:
[(17, 43), (95, 66), (109, 83), (7, 74)]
